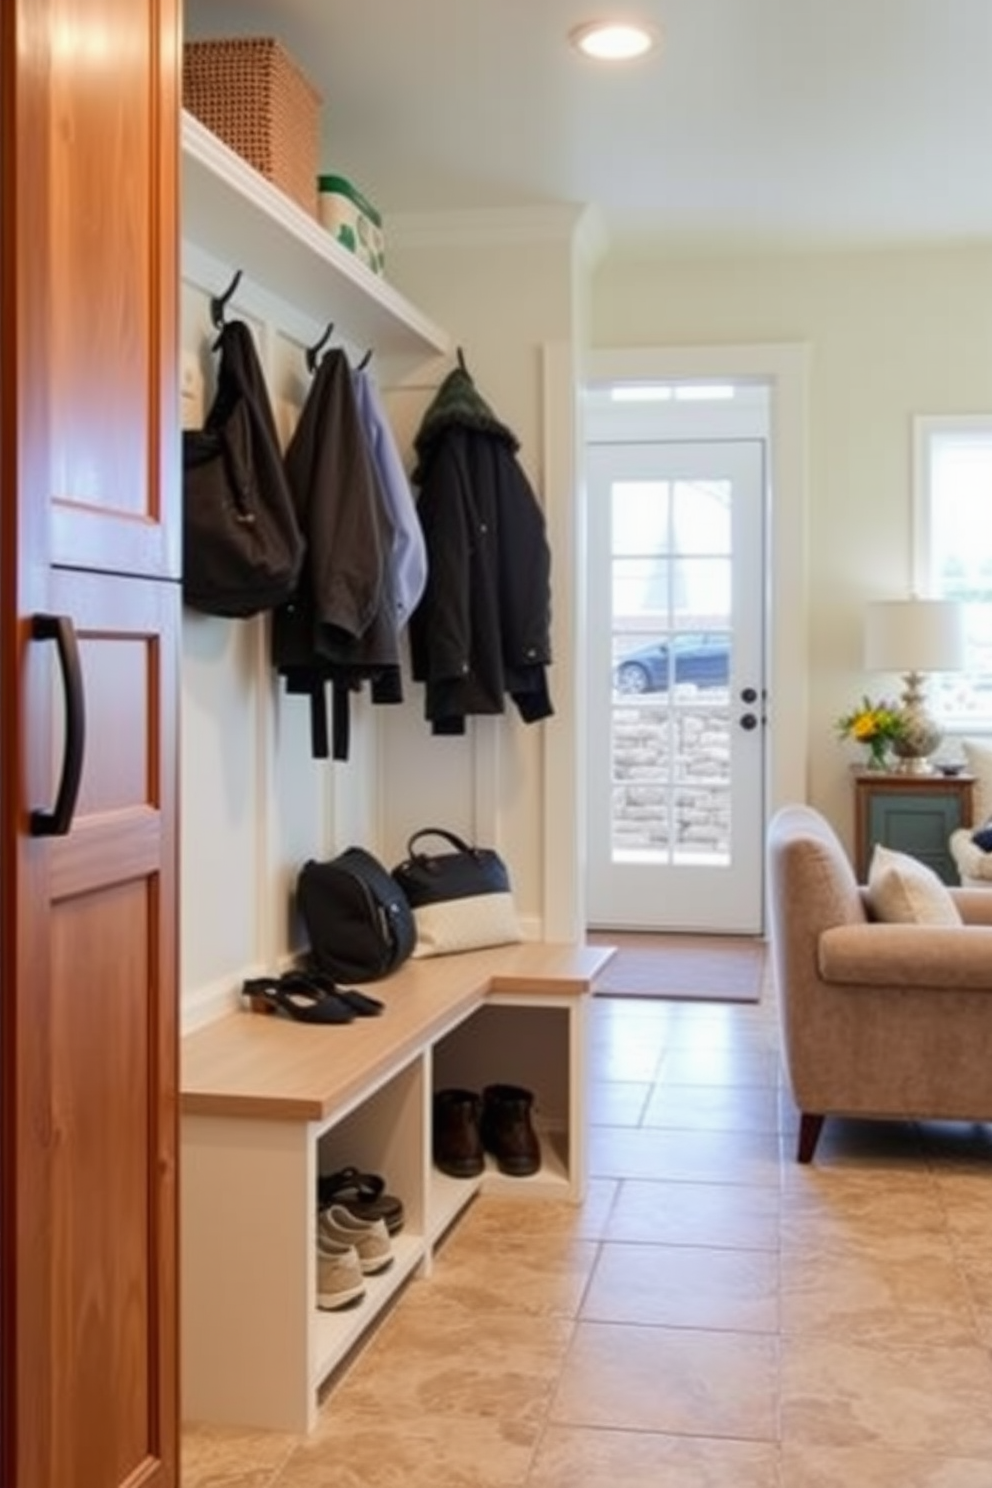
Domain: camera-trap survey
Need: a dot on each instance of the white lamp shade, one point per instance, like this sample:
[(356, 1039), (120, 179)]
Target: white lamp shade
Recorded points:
[(914, 635)]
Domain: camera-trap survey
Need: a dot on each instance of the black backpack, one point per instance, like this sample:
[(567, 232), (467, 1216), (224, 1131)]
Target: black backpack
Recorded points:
[(242, 546), (357, 917)]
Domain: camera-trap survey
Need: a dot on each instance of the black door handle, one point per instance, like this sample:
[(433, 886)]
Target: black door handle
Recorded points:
[(60, 629), (748, 721)]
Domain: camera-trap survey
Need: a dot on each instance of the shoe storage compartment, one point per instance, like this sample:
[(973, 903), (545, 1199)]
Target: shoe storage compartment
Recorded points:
[(386, 1134), (269, 1105), (534, 1042), (256, 1345)]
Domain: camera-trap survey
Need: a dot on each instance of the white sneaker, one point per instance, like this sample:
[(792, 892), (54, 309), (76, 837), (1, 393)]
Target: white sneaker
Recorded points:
[(368, 1236), (339, 1275)]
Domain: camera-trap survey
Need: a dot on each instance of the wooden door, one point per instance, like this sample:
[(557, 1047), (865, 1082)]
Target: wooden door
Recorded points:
[(89, 533)]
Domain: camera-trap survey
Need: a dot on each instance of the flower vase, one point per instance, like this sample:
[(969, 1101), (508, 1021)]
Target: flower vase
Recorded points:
[(878, 755)]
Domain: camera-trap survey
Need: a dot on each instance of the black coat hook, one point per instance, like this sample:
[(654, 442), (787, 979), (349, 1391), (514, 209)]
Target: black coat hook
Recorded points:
[(365, 360), (311, 352), (461, 359), (218, 303)]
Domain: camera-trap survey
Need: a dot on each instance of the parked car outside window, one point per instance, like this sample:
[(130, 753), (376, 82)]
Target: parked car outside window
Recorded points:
[(697, 658)]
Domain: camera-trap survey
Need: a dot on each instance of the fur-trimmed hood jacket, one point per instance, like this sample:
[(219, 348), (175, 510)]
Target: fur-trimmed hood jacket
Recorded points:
[(482, 631)]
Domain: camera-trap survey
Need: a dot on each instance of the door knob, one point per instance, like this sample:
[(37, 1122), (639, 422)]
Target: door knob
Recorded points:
[(748, 721)]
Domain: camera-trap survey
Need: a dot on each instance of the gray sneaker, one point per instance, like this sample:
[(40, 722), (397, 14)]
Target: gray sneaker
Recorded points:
[(339, 1275), (368, 1236)]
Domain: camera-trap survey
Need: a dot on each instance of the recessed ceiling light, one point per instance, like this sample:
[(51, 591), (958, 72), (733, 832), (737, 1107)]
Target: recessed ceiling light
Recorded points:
[(613, 41)]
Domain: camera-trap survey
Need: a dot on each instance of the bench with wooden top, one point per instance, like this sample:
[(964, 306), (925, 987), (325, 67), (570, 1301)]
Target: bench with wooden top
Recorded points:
[(268, 1103)]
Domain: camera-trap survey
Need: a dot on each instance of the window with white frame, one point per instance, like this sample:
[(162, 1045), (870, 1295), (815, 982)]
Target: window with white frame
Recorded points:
[(953, 551)]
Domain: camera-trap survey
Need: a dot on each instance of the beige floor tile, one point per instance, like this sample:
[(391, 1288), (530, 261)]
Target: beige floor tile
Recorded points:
[(714, 1108), (232, 1457), (928, 1399), (965, 1197), (519, 1269), (974, 1261), (735, 1216), (878, 1295), (625, 1054), (585, 1221), (515, 1219), (685, 1287), (443, 1361), (616, 1102), (572, 1457), (713, 1064), (672, 1380), (871, 1467), (839, 1209), (684, 1025), (359, 1450), (690, 1156)]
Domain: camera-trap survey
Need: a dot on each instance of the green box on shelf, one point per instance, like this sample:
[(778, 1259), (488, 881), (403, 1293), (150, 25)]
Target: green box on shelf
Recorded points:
[(352, 220)]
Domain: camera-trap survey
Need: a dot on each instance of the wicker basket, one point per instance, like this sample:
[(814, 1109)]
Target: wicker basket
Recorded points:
[(252, 95)]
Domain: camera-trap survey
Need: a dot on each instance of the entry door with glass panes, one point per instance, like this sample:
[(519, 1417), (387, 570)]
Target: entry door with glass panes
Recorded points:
[(676, 730)]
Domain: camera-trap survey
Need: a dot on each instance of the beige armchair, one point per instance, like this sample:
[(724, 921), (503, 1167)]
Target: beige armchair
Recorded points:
[(878, 1020)]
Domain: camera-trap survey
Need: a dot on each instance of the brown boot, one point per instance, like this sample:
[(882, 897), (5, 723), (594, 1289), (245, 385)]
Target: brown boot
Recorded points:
[(507, 1131), (457, 1143)]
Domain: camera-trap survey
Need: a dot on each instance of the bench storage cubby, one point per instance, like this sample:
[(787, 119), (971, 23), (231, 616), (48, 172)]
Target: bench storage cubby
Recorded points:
[(267, 1104)]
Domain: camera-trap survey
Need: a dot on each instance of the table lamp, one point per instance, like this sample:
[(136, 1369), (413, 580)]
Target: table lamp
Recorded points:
[(915, 636)]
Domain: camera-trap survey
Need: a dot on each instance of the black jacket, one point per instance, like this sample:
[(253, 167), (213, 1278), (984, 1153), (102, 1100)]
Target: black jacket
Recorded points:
[(341, 625), (482, 630)]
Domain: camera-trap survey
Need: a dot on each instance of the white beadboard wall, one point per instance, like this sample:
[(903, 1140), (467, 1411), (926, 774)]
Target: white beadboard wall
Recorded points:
[(254, 803)]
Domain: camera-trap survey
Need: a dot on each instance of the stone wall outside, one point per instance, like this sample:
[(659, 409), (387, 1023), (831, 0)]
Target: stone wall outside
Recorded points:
[(647, 733)]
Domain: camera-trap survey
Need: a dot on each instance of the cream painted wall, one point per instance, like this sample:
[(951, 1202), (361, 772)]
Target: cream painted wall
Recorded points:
[(890, 335)]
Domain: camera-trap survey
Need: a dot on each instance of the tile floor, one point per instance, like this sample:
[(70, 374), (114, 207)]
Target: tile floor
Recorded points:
[(714, 1316)]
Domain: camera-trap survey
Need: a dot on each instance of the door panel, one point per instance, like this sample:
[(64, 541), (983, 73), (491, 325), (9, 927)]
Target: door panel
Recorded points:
[(104, 1024), (676, 724), (111, 361)]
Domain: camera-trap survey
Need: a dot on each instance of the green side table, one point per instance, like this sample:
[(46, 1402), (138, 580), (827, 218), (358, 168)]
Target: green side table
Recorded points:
[(914, 814)]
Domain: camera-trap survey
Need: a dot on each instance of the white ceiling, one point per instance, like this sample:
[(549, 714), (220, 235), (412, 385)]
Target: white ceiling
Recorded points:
[(761, 123)]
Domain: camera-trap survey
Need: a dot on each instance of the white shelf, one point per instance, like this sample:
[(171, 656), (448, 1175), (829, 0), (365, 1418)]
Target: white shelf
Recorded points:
[(241, 219), (448, 1197), (335, 1333)]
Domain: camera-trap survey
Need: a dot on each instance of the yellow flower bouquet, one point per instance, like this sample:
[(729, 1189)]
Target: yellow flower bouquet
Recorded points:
[(876, 725)]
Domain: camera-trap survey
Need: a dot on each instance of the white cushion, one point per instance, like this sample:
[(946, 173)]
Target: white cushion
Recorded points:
[(978, 760), (904, 891), (974, 866)]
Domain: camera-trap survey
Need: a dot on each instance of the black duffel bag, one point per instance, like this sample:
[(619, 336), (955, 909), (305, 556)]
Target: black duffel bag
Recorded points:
[(357, 917)]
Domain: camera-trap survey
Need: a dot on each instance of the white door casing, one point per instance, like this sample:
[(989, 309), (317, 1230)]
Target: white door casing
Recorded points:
[(784, 367)]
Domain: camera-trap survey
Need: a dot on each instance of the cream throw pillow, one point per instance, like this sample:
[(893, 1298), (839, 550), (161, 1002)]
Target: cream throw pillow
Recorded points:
[(904, 891), (978, 760)]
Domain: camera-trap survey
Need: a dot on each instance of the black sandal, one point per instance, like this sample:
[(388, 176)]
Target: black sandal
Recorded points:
[(362, 1194), (359, 1002), (298, 998)]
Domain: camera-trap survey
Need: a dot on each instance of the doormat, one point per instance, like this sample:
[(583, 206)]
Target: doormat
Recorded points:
[(699, 968)]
